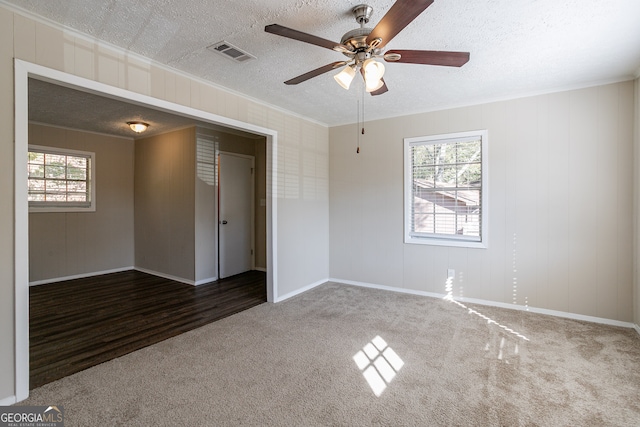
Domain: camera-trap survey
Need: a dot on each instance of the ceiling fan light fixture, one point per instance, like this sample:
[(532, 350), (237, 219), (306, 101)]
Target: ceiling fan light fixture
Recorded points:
[(373, 72), (374, 86), (373, 69), (364, 44), (345, 77), (138, 127)]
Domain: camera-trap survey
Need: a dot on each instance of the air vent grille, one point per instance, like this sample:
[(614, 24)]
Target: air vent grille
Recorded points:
[(230, 51)]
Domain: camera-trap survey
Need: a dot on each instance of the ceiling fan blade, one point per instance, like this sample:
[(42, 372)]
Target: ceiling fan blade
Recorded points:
[(431, 57), (382, 90), (399, 16), (314, 73), (299, 35)]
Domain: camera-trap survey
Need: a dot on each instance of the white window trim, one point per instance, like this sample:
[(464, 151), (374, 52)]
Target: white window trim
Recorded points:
[(455, 241), (92, 184)]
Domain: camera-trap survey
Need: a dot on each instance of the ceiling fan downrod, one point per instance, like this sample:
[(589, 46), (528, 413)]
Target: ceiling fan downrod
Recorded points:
[(362, 13)]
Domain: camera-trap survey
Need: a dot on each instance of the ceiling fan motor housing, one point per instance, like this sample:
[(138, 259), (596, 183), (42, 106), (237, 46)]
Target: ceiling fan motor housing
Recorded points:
[(356, 39)]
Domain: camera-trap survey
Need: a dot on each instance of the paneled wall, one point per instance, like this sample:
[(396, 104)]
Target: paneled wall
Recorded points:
[(302, 220), (165, 171), (560, 204), (76, 243), (206, 209)]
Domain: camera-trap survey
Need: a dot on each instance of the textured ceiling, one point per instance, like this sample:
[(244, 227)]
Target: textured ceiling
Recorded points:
[(517, 47), (62, 106)]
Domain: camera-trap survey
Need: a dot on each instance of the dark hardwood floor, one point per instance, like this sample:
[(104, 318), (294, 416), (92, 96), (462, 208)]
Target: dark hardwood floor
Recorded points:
[(80, 323)]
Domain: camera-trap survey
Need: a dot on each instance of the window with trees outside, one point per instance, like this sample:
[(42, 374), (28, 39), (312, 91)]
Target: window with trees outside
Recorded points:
[(60, 180), (445, 189)]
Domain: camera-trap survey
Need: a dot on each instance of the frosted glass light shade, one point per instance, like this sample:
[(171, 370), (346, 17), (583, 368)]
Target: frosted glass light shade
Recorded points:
[(138, 127), (373, 69), (373, 72), (345, 77), (375, 86)]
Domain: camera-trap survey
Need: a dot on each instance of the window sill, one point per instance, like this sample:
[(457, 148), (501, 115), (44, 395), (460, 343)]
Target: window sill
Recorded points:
[(60, 209), (432, 241)]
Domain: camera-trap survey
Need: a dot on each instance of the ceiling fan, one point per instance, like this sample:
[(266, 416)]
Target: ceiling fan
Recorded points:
[(364, 45)]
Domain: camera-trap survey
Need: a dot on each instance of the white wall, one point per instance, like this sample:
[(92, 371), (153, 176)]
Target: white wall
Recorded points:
[(302, 257), (560, 204), (303, 203)]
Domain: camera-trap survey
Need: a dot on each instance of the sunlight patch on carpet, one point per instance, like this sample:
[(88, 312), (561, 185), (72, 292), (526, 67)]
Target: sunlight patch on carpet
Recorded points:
[(378, 363), (449, 297)]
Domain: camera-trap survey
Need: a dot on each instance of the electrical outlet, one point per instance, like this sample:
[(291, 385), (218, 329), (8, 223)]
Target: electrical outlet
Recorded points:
[(451, 273)]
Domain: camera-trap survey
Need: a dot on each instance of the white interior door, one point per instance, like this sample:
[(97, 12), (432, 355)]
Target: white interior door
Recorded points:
[(235, 188)]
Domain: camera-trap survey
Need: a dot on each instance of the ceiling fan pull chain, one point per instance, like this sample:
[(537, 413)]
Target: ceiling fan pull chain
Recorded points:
[(357, 126), (363, 92)]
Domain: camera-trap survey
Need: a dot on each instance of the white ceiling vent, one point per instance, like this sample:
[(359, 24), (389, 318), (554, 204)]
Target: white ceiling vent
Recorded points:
[(230, 51)]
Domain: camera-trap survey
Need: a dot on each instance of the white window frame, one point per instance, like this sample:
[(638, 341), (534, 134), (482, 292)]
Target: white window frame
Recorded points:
[(68, 206), (439, 239)]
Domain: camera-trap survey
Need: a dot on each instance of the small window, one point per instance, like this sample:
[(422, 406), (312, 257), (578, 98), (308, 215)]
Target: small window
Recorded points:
[(445, 189), (60, 180), (206, 148)]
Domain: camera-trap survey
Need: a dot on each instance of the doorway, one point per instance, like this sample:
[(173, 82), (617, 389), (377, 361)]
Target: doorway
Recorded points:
[(23, 72)]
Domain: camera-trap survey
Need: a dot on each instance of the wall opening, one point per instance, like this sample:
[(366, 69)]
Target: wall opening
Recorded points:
[(23, 72)]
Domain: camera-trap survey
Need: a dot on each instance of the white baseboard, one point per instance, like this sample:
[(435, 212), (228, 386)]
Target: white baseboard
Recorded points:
[(203, 281), (119, 270), (387, 288), (165, 276), (301, 290), (8, 401), (79, 276), (637, 328), (556, 313)]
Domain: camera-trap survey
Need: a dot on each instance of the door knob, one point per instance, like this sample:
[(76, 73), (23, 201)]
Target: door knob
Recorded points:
[(224, 221)]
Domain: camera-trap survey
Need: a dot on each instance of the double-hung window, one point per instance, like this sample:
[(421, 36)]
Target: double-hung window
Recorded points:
[(60, 180), (445, 189)]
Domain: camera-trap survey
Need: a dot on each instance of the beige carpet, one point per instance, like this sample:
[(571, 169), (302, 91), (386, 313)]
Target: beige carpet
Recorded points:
[(436, 363)]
